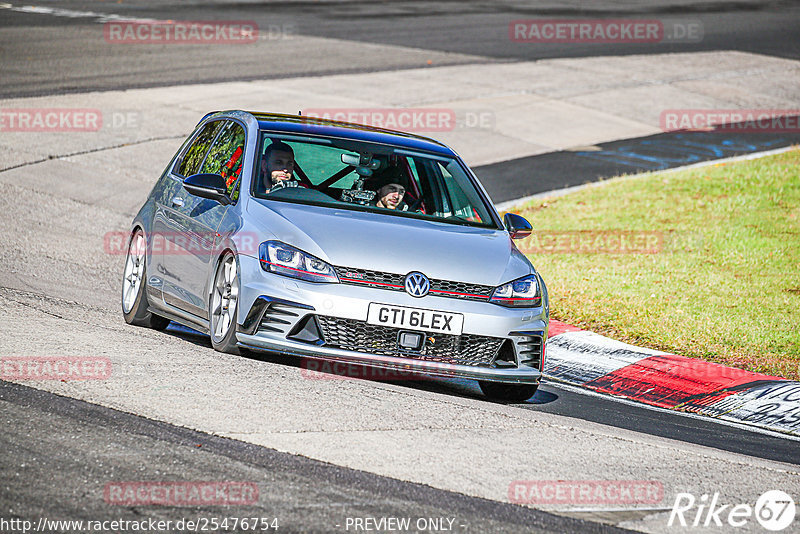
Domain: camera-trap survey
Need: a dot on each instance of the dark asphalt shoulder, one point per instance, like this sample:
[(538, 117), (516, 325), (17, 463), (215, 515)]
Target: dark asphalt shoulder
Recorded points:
[(59, 453), (522, 177)]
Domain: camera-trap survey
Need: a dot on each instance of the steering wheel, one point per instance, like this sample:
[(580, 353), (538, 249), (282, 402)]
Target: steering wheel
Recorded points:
[(415, 205)]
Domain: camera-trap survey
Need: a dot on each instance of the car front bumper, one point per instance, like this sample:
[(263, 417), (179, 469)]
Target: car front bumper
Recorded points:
[(261, 291), (406, 366)]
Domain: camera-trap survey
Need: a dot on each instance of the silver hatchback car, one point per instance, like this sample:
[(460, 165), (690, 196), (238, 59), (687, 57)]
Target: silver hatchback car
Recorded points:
[(337, 241)]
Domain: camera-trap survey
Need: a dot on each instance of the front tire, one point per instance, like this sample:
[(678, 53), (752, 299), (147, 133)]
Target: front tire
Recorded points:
[(223, 304), (508, 392), (134, 296)]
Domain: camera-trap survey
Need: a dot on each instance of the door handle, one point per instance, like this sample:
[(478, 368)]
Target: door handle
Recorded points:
[(177, 202)]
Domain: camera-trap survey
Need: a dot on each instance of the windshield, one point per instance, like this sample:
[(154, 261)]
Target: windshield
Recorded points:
[(348, 174)]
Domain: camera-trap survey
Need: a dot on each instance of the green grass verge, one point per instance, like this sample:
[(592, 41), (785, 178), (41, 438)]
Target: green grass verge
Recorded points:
[(712, 268)]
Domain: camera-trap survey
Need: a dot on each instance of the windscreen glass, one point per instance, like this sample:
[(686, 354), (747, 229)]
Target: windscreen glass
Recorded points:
[(367, 177)]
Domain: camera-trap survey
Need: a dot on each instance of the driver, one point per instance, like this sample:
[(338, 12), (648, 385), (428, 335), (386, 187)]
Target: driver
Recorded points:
[(390, 184), (277, 167)]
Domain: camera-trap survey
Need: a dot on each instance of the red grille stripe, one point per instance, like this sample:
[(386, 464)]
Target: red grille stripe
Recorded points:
[(370, 282), (457, 293)]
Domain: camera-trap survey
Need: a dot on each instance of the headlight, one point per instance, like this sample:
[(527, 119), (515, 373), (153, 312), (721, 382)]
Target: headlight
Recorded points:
[(521, 293), (280, 258)]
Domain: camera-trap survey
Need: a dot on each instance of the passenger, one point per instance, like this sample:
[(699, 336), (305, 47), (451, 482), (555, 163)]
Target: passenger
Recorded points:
[(390, 185), (277, 167)]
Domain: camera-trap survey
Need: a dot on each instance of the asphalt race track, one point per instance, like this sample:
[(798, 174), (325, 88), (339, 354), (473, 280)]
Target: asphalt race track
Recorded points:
[(62, 53), (51, 436), (518, 178), (324, 451)]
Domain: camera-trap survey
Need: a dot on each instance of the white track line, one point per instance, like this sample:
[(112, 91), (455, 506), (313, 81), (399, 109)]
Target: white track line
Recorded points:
[(72, 14)]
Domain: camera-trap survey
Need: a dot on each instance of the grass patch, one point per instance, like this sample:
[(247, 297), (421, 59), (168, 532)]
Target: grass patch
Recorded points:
[(713, 268)]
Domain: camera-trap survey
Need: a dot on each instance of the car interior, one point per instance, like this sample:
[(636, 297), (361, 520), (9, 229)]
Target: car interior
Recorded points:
[(340, 174)]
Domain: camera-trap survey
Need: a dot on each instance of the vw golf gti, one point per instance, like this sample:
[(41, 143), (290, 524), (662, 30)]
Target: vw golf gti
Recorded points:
[(337, 241)]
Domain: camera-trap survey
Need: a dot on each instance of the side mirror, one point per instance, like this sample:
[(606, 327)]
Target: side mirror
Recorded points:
[(211, 186), (517, 226)]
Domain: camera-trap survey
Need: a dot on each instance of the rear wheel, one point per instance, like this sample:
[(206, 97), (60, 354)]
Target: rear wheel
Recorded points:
[(508, 392), (134, 296), (223, 304)]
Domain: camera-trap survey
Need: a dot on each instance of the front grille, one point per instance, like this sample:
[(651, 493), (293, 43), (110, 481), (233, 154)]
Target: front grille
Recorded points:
[(466, 349), (366, 277), (395, 282)]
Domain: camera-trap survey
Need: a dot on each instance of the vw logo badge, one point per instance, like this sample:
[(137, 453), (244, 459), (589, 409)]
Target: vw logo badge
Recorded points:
[(417, 284)]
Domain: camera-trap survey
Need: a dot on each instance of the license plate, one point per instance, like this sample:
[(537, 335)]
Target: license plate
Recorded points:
[(415, 319)]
